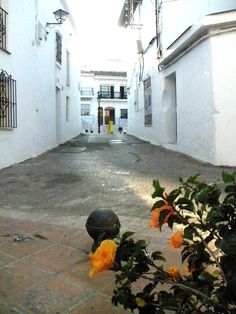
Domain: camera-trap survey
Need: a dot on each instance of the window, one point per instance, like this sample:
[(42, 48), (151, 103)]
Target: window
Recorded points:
[(106, 91), (85, 98), (3, 29), (85, 109), (123, 92), (67, 108), (7, 101), (67, 68), (147, 102), (123, 113), (58, 48), (87, 91)]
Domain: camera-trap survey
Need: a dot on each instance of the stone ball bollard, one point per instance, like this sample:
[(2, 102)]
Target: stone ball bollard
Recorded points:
[(102, 223)]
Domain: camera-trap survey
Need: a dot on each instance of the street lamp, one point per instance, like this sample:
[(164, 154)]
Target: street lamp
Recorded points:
[(60, 16)]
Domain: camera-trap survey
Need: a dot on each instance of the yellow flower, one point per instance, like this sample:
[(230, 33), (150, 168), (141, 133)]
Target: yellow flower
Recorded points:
[(140, 302), (156, 214), (173, 272), (176, 240), (103, 258)]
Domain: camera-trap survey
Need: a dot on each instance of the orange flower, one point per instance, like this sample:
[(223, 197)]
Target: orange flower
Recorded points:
[(173, 272), (156, 215), (103, 258), (176, 240)]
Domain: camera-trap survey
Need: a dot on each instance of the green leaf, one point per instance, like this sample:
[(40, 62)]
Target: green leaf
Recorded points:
[(158, 189), (157, 256), (193, 179), (227, 178), (127, 235), (158, 204), (227, 244), (189, 232), (142, 244)]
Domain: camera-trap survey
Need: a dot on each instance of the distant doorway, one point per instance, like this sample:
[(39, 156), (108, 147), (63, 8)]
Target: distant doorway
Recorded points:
[(109, 115)]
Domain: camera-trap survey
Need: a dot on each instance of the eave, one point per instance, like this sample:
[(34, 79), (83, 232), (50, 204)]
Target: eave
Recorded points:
[(208, 26)]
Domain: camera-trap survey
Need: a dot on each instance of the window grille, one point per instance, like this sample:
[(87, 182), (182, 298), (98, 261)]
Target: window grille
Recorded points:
[(58, 48), (3, 29), (147, 101), (8, 112)]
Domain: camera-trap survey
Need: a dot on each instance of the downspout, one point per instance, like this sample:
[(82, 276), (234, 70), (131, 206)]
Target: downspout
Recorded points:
[(157, 21)]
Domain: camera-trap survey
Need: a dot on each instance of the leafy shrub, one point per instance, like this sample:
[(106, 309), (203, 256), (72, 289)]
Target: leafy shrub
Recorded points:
[(205, 218)]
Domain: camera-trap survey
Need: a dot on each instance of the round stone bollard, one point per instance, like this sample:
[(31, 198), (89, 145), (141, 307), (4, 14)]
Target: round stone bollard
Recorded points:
[(102, 224)]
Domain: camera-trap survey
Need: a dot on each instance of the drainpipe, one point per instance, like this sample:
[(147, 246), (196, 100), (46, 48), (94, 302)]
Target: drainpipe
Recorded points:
[(157, 16)]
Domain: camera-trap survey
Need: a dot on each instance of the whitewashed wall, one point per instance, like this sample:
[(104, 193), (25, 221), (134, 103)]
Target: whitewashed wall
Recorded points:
[(204, 78), (32, 64), (224, 93)]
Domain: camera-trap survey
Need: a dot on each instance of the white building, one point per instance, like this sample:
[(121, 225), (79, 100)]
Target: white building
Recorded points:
[(182, 87), (103, 93), (39, 76)]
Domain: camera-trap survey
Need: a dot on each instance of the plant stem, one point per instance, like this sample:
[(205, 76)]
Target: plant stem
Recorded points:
[(213, 256), (196, 292)]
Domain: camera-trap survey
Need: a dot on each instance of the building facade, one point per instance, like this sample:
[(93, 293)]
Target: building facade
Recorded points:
[(39, 78), (104, 101), (182, 93)]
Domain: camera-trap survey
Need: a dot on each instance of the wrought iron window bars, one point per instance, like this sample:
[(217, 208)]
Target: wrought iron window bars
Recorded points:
[(3, 29), (8, 105)]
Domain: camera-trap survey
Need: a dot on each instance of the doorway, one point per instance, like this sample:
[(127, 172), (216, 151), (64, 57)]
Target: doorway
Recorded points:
[(109, 115), (169, 105)]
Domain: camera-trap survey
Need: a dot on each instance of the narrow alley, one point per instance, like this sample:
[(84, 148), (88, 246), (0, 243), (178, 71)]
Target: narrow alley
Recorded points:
[(46, 201)]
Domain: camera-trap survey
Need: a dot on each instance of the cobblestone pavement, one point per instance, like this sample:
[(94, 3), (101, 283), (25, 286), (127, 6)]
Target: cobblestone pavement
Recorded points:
[(44, 205)]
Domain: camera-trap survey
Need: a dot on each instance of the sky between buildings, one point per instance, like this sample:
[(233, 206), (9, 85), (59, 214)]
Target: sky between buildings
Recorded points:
[(101, 39)]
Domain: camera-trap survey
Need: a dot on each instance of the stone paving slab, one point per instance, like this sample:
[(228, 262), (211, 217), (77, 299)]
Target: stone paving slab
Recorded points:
[(44, 270)]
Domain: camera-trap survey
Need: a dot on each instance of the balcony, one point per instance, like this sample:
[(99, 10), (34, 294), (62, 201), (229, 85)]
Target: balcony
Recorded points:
[(112, 95), (86, 91)]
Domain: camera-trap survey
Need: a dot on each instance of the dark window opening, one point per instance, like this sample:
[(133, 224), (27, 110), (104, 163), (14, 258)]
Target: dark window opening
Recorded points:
[(123, 113)]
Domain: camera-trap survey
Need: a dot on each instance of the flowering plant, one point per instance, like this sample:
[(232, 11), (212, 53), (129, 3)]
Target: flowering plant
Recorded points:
[(205, 218)]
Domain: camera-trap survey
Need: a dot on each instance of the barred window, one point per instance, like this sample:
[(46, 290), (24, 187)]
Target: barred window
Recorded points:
[(58, 48), (8, 113), (3, 29)]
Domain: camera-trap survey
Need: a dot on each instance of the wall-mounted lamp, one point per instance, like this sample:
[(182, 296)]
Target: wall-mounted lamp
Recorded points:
[(60, 16)]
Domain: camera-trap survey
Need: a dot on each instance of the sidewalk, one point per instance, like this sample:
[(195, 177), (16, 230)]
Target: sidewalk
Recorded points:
[(44, 270)]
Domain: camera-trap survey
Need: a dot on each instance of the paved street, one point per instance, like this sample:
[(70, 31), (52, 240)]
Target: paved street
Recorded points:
[(44, 205)]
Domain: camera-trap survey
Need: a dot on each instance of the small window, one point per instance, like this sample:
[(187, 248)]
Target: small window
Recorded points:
[(58, 48), (7, 101), (85, 109), (123, 113)]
